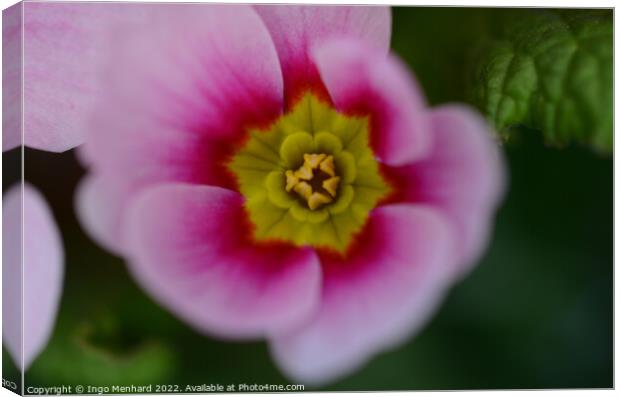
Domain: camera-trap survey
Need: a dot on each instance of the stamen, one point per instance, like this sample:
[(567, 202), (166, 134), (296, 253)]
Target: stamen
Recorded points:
[(327, 166), (313, 160), (304, 172), (318, 199), (315, 181), (304, 190), (291, 180), (331, 185)]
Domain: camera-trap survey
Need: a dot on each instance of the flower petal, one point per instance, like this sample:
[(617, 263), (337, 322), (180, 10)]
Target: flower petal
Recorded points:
[(97, 201), (11, 77), (63, 50), (195, 258), (296, 29), (42, 273), (382, 87), (373, 299), (181, 92), (196, 69), (463, 176)]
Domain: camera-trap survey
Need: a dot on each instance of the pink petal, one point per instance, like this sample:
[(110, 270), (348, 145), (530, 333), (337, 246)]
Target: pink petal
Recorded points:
[(11, 77), (63, 50), (296, 29), (97, 204), (382, 87), (463, 176), (182, 91), (42, 273), (375, 298), (195, 258)]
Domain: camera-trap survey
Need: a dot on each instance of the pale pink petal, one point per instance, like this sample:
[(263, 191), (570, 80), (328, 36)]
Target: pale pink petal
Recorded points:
[(182, 91), (463, 176), (362, 80), (11, 77), (42, 273), (97, 201), (63, 52), (297, 28), (384, 291), (190, 249)]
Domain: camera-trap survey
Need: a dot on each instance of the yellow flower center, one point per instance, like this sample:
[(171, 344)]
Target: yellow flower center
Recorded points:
[(315, 181), (311, 178)]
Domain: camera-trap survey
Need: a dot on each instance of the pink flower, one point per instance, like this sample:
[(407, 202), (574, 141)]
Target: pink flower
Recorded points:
[(62, 50), (272, 172)]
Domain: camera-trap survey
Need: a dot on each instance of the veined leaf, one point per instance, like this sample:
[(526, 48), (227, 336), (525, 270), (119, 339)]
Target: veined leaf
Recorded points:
[(551, 71)]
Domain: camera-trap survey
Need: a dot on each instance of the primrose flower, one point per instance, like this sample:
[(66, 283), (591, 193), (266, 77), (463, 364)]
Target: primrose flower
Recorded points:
[(272, 172)]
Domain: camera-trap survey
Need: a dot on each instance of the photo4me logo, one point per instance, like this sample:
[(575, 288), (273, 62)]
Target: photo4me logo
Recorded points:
[(245, 387)]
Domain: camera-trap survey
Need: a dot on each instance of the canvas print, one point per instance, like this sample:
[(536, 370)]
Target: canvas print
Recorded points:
[(284, 198)]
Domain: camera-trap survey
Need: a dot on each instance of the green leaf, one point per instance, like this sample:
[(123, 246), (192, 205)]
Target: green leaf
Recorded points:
[(551, 71)]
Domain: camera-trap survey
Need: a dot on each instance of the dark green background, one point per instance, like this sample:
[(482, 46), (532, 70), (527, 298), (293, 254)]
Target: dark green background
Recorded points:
[(535, 313)]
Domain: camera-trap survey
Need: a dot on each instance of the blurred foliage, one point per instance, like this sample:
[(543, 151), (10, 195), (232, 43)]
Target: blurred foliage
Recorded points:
[(108, 351), (551, 70), (535, 313)]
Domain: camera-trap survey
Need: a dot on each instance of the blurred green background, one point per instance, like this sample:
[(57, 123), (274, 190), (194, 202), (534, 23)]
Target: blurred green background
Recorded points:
[(535, 313)]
